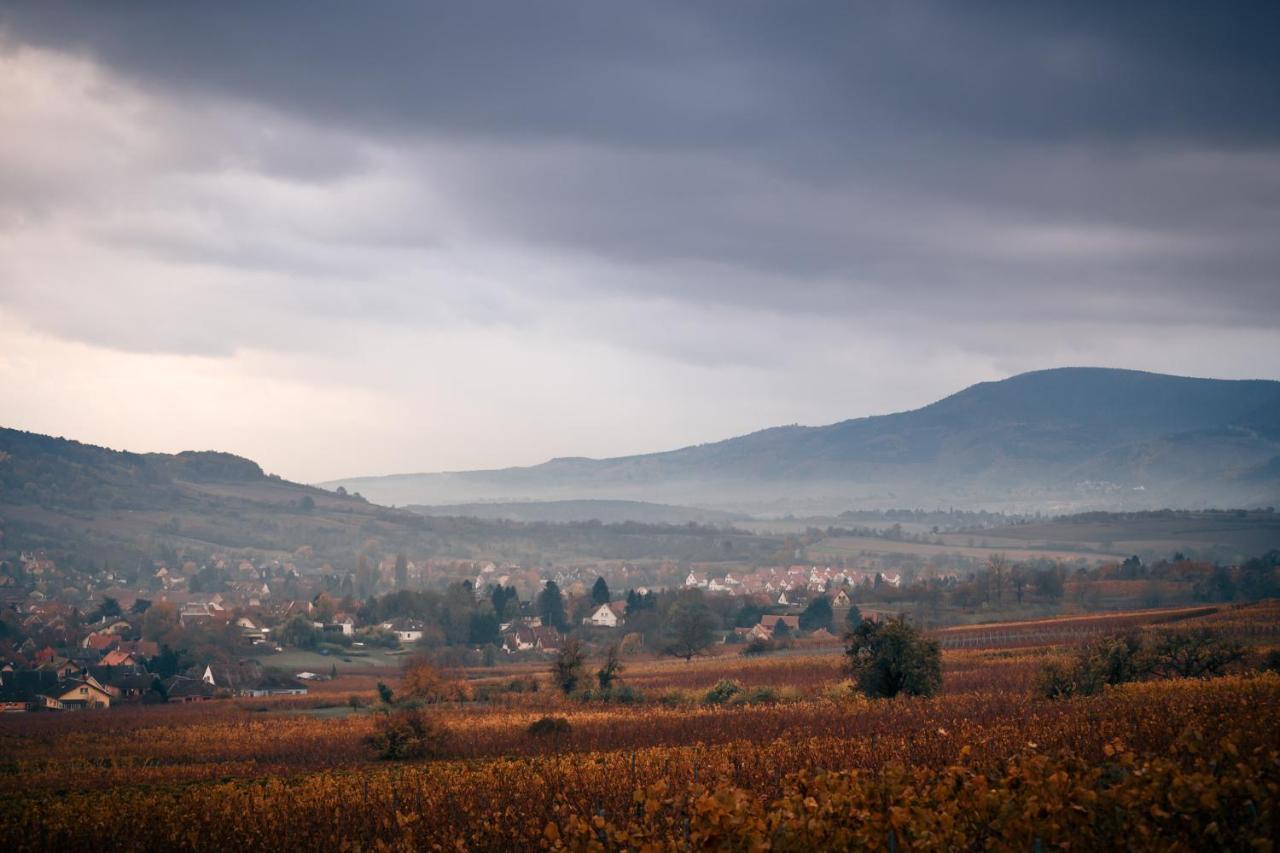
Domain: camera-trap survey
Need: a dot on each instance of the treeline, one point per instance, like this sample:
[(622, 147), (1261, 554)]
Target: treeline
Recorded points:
[(1005, 582)]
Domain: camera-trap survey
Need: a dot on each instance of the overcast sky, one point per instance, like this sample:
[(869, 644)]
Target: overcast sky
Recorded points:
[(347, 238)]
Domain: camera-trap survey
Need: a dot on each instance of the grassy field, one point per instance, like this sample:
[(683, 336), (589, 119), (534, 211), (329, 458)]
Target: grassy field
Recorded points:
[(354, 660)]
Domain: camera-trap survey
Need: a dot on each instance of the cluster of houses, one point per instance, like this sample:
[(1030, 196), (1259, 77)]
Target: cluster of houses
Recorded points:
[(122, 676), (790, 585), (529, 634)]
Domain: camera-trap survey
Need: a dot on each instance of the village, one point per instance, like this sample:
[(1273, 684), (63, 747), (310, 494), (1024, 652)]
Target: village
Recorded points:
[(195, 632)]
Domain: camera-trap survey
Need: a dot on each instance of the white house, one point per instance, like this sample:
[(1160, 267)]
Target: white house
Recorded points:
[(606, 615), (406, 630)]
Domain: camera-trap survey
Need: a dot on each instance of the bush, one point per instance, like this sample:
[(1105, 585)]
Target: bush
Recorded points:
[(409, 734), (423, 682), (755, 696), (722, 692), (1124, 658), (553, 727), (844, 692), (1056, 680), (1194, 654), (621, 694), (1271, 661), (892, 657)]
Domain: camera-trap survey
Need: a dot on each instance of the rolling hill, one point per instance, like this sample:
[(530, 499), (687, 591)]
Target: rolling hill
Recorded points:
[(89, 505), (1057, 440)]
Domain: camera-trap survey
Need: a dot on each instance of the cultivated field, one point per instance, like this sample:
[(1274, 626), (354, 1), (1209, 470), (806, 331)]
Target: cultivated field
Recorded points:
[(1170, 764), (852, 546)]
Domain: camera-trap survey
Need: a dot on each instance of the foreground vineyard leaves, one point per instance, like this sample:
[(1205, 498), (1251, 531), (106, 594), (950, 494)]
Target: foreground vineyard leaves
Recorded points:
[(1178, 764)]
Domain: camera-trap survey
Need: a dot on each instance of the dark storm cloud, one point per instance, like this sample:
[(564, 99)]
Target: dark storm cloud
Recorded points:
[(721, 74), (1023, 161)]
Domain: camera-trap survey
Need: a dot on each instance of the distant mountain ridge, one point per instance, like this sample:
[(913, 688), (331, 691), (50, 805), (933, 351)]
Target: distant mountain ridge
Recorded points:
[(1058, 440)]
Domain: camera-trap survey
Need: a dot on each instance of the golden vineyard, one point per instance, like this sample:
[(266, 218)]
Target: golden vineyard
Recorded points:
[(794, 759)]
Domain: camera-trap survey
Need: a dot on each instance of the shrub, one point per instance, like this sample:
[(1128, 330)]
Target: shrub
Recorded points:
[(892, 657), (1124, 658), (1056, 680), (423, 682), (621, 694), (754, 696), (1194, 654), (409, 734), (722, 692), (844, 692), (553, 727), (1112, 660), (1271, 661)]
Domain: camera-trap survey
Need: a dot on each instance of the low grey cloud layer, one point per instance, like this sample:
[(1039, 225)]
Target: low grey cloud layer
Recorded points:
[(484, 235)]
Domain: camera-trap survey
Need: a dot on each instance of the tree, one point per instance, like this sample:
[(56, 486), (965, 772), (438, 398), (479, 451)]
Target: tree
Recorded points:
[(749, 615), (298, 632), (366, 578), (890, 658), (1258, 576), (611, 670), (420, 680), (160, 622), (506, 602), (110, 608), (484, 627), (998, 574), (407, 734), (690, 629), (326, 608), (551, 606), (308, 503), (600, 592), (1112, 660), (637, 602), (166, 663), (853, 618), (1194, 654), (816, 615), (1018, 577), (402, 572), (1050, 583), (566, 670)]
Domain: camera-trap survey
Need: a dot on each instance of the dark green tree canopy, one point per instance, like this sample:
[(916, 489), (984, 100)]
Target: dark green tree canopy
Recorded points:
[(691, 627), (551, 606), (889, 658), (816, 615), (600, 592)]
